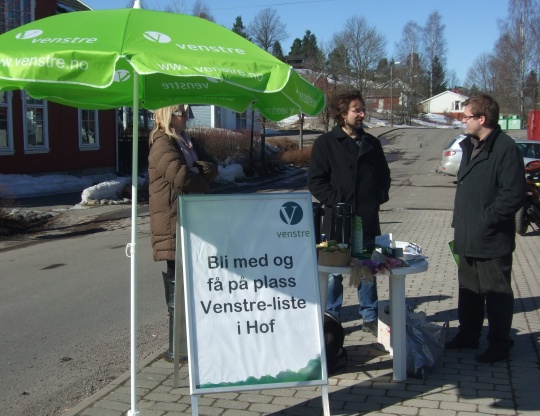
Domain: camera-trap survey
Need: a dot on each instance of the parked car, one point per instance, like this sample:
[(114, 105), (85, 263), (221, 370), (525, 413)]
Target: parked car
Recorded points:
[(530, 149), (451, 158)]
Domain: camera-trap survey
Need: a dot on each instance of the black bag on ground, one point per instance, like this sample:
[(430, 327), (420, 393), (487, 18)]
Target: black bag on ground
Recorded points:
[(334, 337)]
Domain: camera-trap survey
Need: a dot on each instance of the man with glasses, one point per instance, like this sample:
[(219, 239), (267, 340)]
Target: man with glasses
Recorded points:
[(490, 189), (348, 166)]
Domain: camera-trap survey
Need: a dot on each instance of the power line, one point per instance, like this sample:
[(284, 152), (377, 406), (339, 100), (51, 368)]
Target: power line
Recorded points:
[(270, 5)]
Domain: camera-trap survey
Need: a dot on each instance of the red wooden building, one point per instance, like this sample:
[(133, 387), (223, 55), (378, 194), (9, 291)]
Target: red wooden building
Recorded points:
[(37, 136)]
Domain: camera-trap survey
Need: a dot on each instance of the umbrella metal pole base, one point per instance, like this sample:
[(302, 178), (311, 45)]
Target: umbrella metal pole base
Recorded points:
[(194, 405)]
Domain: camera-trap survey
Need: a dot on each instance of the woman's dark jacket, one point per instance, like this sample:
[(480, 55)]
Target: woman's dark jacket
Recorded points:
[(169, 176), (342, 171), (490, 190)]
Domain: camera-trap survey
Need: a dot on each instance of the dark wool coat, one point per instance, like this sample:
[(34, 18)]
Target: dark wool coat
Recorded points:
[(490, 190), (169, 176), (341, 171)]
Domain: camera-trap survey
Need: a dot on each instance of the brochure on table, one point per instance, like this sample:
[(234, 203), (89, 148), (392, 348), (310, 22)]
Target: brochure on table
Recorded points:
[(252, 296)]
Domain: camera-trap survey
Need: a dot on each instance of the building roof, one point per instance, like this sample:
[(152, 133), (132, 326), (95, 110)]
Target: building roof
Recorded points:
[(459, 97), (72, 5)]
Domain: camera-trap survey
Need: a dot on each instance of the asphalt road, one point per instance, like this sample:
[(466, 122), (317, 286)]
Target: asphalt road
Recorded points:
[(65, 308), (64, 302)]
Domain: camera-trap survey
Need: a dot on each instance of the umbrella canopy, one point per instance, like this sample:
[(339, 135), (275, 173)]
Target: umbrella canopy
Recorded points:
[(88, 60), (141, 58)]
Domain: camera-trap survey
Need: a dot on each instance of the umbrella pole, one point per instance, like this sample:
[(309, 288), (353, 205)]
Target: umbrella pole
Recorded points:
[(133, 252), (134, 201)]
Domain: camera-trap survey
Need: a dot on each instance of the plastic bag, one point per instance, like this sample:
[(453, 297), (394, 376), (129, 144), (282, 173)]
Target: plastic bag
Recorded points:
[(425, 343)]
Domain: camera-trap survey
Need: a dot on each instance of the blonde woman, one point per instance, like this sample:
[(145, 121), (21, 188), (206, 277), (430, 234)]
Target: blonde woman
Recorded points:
[(176, 165)]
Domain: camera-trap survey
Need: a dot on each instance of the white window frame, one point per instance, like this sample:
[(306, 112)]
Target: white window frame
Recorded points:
[(9, 148), (37, 105), (95, 144)]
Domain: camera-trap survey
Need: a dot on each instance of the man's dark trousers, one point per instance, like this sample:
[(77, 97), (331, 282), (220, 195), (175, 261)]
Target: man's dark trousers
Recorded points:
[(486, 281)]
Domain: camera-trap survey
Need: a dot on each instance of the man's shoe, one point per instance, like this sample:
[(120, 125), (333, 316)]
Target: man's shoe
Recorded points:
[(493, 355), (461, 341), (370, 327)]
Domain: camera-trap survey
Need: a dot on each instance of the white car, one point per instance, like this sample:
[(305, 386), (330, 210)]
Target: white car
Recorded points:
[(451, 158), (530, 149)]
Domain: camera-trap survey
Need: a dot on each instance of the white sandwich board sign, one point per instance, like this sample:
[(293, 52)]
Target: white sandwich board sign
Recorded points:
[(252, 298)]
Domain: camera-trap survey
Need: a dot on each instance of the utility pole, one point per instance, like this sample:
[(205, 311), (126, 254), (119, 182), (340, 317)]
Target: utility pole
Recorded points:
[(392, 94)]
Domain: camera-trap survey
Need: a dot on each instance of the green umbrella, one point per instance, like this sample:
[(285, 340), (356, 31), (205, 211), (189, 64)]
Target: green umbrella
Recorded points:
[(88, 60), (141, 58)]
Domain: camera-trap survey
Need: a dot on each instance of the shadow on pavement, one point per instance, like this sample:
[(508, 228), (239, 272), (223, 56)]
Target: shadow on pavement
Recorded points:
[(69, 199)]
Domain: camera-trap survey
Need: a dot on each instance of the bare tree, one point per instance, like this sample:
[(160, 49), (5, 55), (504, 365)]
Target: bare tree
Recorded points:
[(200, 9), (482, 74), (434, 47), (361, 46), (267, 28), (507, 86), (408, 49), (517, 45), (172, 6), (452, 79)]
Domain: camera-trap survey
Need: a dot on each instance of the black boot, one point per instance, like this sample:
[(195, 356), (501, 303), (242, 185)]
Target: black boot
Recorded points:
[(168, 281), (471, 319)]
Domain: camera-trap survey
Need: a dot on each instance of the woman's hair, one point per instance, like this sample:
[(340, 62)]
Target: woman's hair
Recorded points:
[(341, 103), (162, 121)]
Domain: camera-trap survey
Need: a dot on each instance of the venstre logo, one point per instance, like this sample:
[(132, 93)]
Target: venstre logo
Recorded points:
[(43, 58), (29, 34), (121, 75), (157, 37), (291, 213), (34, 33)]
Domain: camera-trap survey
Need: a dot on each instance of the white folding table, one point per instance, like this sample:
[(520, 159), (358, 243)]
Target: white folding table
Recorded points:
[(397, 303)]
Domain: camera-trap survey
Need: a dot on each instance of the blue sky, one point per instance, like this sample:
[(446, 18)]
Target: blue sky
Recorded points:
[(472, 27)]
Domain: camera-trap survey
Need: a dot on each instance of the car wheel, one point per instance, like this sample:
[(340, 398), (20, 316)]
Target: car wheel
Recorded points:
[(521, 221)]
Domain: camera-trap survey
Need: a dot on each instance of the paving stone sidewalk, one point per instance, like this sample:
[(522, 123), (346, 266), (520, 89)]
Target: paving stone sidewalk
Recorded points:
[(456, 386)]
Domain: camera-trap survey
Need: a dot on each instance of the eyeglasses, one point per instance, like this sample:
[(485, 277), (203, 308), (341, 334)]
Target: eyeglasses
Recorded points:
[(180, 113), (467, 118), (358, 110)]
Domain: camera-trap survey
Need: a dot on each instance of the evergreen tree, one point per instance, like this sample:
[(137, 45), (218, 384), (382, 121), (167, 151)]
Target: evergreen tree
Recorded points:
[(338, 60), (296, 48), (382, 73), (239, 28), (434, 44), (277, 51), (309, 45), (382, 65), (438, 76), (474, 90)]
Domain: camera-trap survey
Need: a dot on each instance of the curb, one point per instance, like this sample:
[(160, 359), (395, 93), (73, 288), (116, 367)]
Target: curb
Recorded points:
[(94, 398)]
